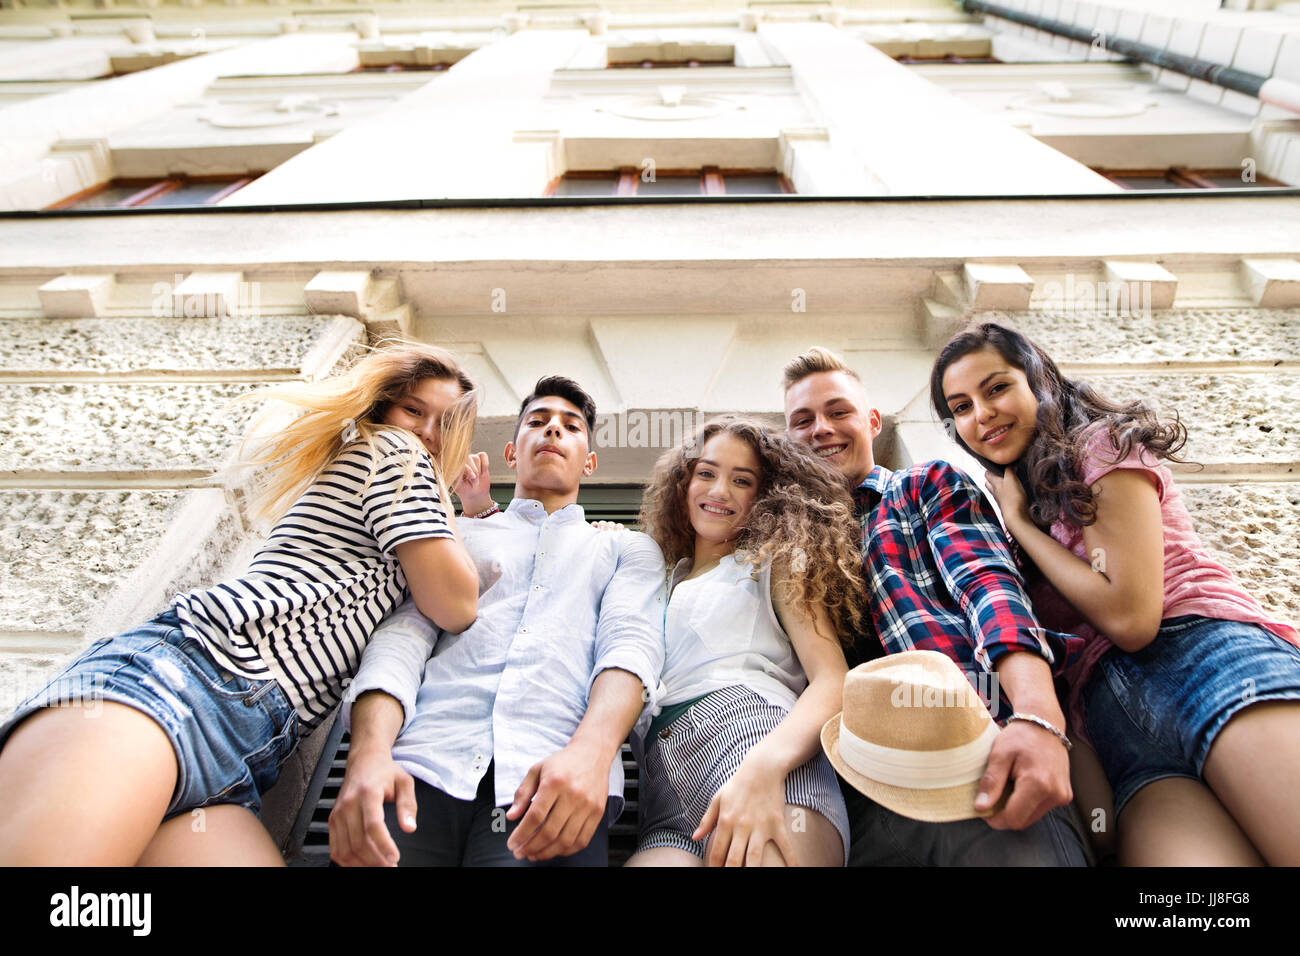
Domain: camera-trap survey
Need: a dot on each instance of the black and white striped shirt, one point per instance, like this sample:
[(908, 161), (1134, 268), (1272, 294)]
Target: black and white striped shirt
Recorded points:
[(326, 576)]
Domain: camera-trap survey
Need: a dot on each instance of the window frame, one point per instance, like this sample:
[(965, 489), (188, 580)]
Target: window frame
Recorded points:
[(712, 180), (152, 189), (1185, 177)]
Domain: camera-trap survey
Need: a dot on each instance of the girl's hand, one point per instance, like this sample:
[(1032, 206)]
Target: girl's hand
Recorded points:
[(607, 526), (474, 484), (1010, 496), (744, 816)]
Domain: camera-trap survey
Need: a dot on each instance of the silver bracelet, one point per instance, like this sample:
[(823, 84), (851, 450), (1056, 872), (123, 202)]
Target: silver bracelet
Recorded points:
[(1038, 721), (486, 512)]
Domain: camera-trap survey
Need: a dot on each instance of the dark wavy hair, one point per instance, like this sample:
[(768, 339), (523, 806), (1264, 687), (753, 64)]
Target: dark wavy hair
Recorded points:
[(1069, 412), (802, 518)]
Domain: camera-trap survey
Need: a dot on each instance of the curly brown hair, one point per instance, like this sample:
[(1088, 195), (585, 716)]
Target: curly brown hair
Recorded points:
[(802, 519), (1069, 411)]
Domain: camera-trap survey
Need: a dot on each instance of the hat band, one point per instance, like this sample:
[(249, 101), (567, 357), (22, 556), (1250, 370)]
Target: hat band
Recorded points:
[(918, 769)]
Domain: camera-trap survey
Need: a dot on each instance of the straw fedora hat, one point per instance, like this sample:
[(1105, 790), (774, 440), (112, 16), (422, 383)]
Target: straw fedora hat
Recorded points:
[(914, 736)]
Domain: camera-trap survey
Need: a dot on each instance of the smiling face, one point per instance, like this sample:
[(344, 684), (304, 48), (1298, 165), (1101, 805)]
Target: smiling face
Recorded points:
[(723, 488), (992, 406), (550, 449), (420, 410), (829, 412)]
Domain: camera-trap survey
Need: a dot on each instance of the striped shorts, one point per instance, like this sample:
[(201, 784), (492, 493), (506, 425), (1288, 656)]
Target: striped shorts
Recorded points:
[(690, 760)]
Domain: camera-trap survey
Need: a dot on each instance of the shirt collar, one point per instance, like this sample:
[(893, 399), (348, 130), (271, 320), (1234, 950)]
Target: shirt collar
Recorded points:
[(874, 482), (534, 511)]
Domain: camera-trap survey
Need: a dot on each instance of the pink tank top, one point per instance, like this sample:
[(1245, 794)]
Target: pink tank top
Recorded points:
[(1194, 583)]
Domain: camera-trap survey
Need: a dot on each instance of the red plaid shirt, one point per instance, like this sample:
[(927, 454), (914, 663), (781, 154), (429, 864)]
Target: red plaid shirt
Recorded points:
[(941, 577)]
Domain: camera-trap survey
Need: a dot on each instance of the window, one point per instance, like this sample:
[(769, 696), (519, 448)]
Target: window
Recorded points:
[(134, 61), (708, 181), (1179, 177), (420, 54), (669, 55), (946, 58), (173, 191), (401, 68)]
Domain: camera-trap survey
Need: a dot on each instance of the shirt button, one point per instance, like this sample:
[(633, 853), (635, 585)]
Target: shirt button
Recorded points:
[(523, 630), (537, 587)]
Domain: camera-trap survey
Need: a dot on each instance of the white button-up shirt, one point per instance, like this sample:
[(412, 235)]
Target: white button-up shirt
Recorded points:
[(559, 602)]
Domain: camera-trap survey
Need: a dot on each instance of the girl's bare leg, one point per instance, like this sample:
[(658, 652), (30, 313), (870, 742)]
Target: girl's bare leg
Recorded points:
[(815, 839), (221, 835), (1093, 797), (1179, 822), (1254, 770), (83, 786)]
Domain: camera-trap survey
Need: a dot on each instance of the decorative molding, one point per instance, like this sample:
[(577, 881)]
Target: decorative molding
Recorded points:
[(208, 294), (76, 296), (1273, 283), (996, 286), (1157, 284)]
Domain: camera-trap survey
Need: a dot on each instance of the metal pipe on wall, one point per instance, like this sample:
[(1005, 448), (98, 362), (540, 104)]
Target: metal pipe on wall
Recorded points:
[(1278, 92)]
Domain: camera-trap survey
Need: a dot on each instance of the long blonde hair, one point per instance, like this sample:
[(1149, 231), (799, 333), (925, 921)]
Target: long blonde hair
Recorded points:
[(360, 397)]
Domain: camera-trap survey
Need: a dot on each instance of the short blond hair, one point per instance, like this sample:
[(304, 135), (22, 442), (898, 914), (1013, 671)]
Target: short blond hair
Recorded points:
[(816, 359)]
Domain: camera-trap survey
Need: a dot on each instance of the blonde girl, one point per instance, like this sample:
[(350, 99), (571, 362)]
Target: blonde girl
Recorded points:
[(195, 711)]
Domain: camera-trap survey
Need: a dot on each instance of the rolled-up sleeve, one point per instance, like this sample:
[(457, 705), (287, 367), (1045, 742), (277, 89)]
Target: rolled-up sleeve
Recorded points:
[(393, 660), (630, 628), (972, 554)]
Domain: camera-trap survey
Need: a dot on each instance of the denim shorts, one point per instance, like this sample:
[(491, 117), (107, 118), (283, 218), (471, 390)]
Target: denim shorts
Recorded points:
[(230, 734), (1155, 713)]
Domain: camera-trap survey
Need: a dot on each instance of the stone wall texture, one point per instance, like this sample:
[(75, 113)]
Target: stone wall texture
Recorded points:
[(1172, 335), (173, 346), (111, 430), (1254, 529), (144, 426), (62, 552)]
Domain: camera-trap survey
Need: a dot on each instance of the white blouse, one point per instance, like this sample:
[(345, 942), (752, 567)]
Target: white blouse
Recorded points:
[(721, 630)]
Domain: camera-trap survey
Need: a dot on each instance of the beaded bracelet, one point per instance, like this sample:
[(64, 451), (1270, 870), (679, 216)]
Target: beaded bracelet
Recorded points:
[(487, 512), (1040, 722)]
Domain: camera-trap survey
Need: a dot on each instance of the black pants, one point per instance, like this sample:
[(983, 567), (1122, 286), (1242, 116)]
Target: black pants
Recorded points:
[(451, 832), (882, 837)]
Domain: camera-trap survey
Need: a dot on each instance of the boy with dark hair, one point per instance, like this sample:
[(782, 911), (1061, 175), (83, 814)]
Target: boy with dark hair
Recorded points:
[(454, 758), (567, 389)]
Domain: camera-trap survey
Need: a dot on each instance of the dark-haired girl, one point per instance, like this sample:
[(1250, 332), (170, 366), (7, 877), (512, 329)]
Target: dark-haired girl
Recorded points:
[(1188, 689), (767, 575)]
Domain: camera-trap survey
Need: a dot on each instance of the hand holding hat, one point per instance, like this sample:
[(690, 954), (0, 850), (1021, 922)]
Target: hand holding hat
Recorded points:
[(914, 736)]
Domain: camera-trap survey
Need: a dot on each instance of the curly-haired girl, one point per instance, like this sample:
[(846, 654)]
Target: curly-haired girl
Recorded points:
[(767, 577), (197, 709), (1189, 691)]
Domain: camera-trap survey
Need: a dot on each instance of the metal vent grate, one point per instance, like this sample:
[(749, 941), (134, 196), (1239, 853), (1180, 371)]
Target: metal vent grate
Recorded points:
[(312, 831)]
